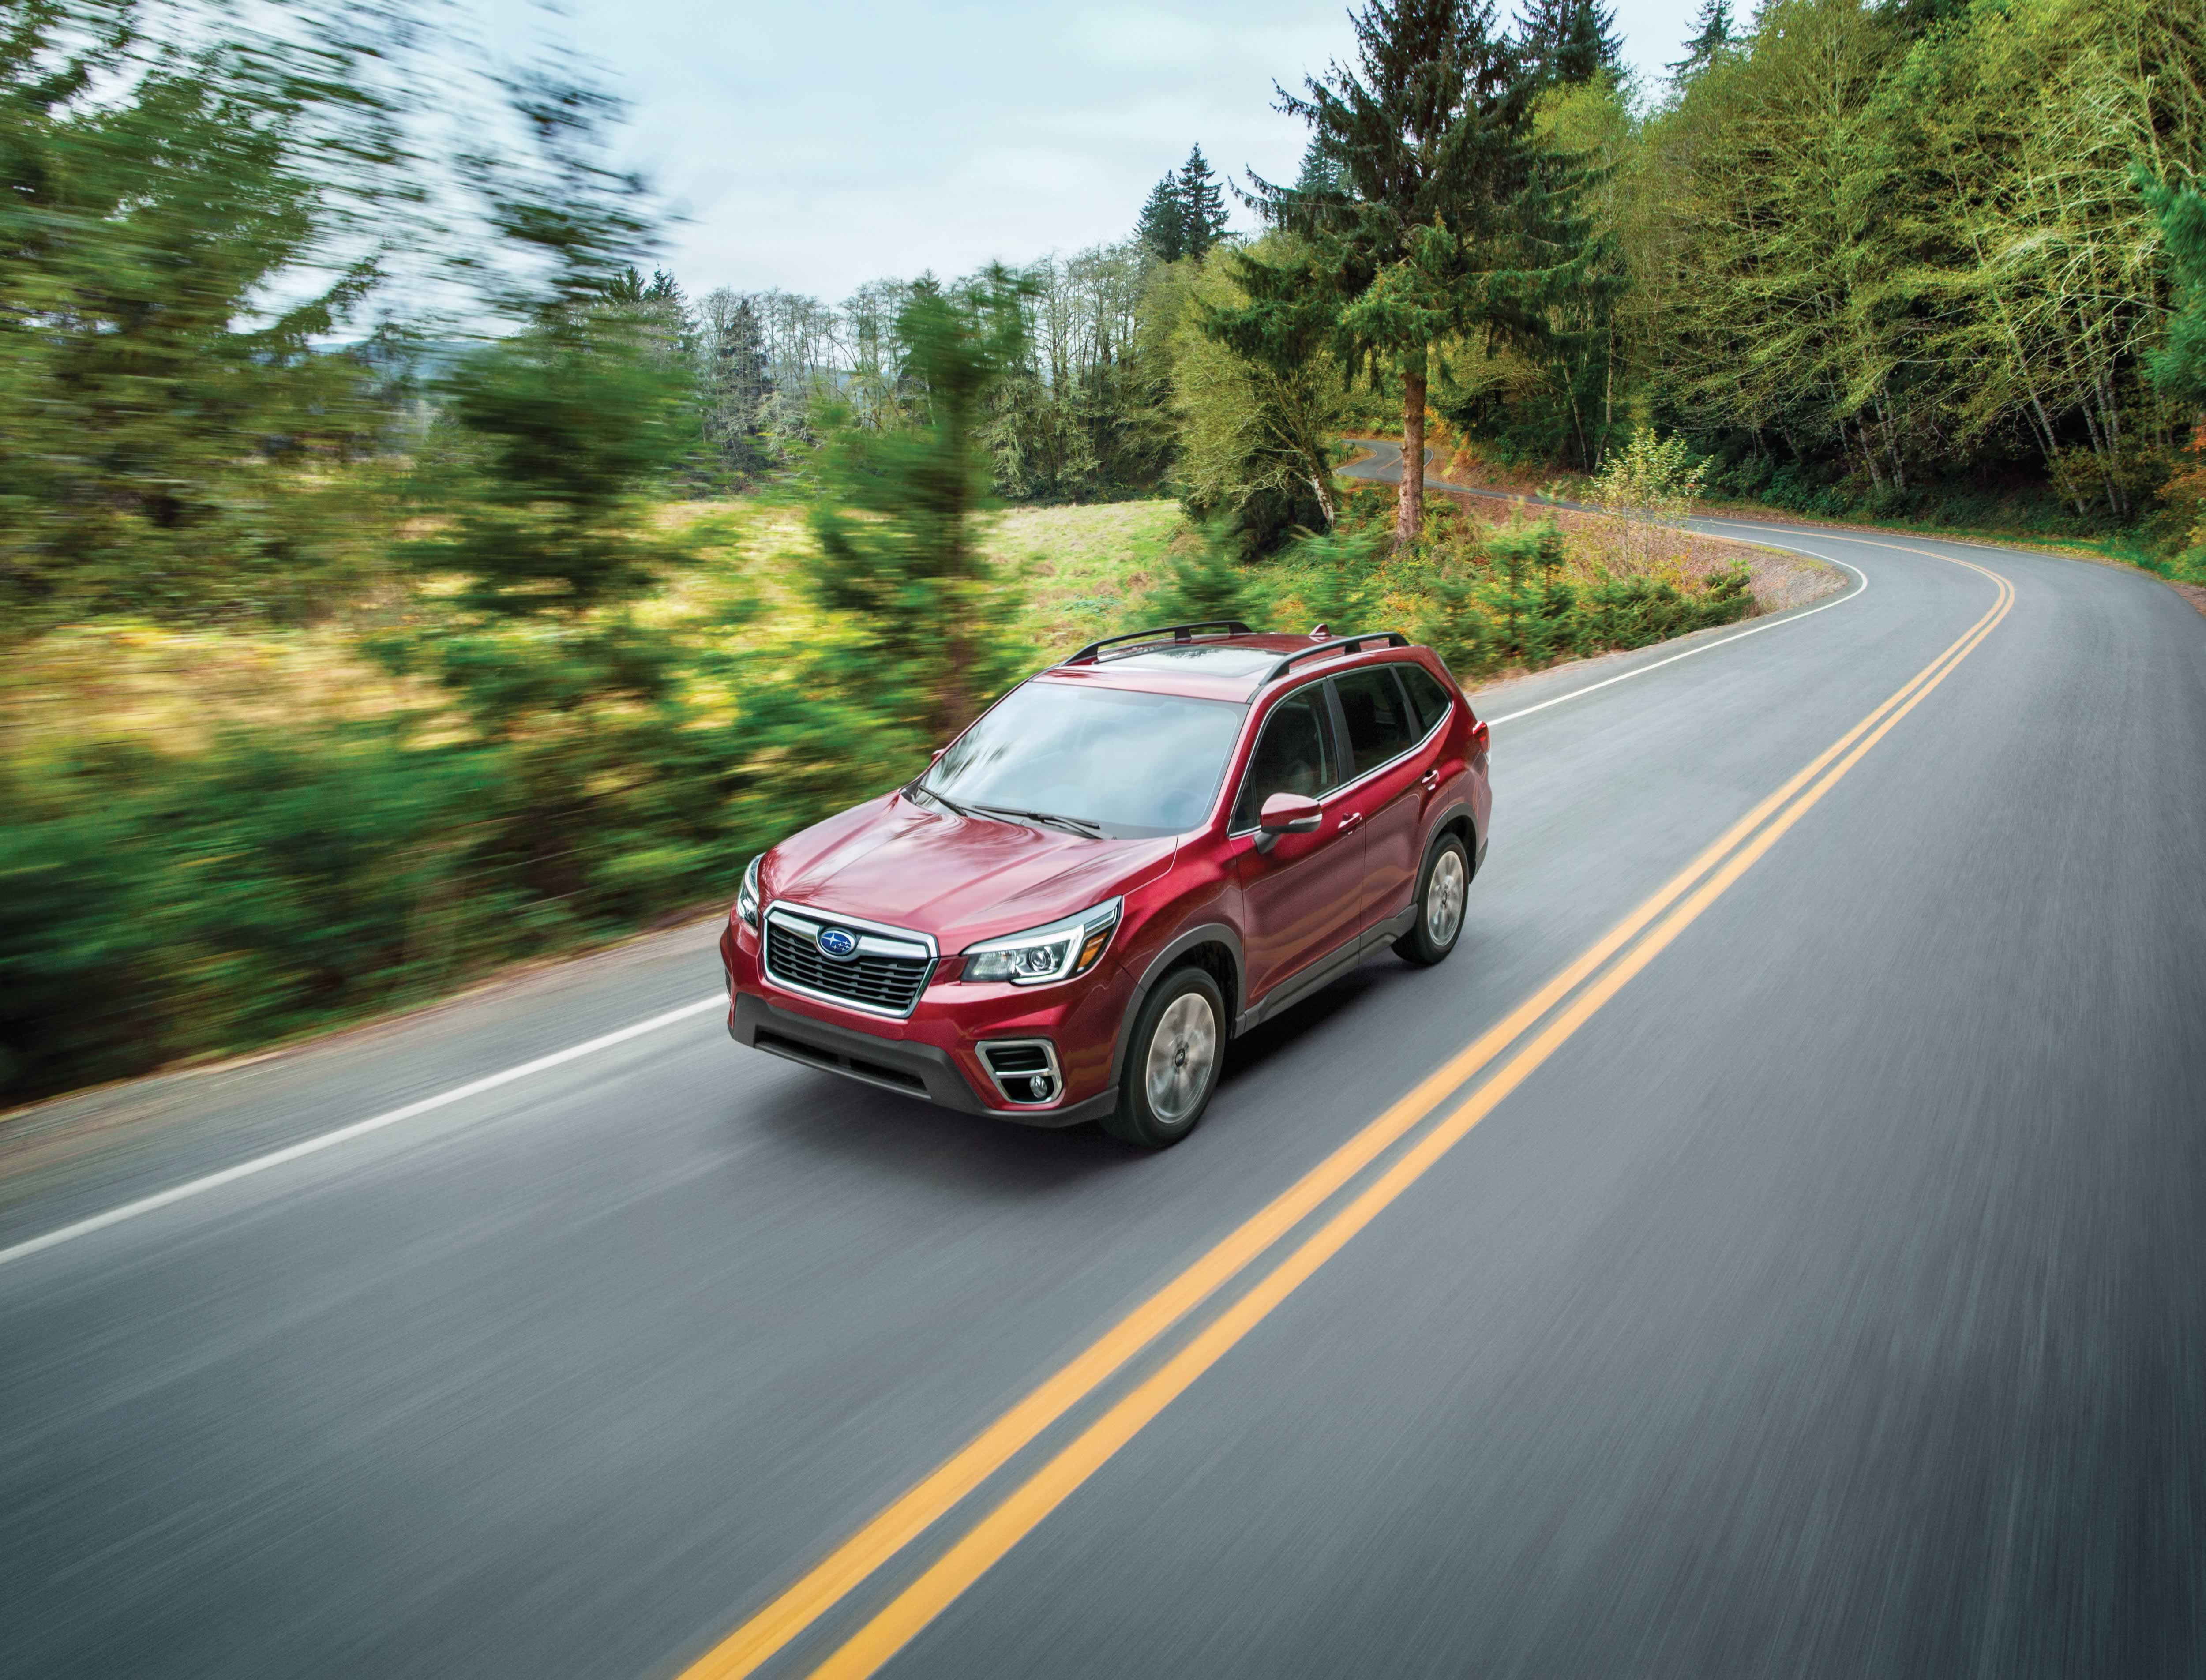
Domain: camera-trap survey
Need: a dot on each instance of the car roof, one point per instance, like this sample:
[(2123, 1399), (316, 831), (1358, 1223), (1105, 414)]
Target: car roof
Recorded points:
[(1216, 667)]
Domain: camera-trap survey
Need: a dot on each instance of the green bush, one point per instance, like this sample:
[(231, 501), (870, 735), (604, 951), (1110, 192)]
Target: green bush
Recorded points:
[(1506, 603)]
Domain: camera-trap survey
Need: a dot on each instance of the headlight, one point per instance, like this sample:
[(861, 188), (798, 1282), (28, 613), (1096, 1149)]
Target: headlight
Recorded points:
[(746, 894), (1041, 955)]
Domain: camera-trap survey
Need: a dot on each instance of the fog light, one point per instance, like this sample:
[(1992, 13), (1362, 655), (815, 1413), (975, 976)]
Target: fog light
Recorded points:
[(1037, 1086)]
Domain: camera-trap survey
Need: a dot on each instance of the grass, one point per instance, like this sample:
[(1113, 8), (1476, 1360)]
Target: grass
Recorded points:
[(1082, 566)]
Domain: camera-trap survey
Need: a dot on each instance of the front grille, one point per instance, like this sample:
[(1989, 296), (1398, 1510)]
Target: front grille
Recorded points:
[(891, 985)]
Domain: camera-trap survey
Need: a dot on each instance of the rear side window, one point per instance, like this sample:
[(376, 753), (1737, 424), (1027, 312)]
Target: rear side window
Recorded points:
[(1293, 756), (1379, 726), (1427, 694)]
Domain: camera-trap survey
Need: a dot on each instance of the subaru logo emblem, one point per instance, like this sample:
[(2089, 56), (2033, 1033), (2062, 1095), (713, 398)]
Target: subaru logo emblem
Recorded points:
[(836, 941)]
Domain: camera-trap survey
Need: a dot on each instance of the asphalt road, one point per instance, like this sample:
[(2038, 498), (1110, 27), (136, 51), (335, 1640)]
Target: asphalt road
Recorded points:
[(1814, 1283)]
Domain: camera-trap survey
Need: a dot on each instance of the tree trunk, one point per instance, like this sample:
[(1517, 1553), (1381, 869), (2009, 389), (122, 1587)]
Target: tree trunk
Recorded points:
[(1409, 510)]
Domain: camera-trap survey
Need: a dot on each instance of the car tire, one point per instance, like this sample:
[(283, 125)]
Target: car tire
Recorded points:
[(1173, 1061), (1443, 888)]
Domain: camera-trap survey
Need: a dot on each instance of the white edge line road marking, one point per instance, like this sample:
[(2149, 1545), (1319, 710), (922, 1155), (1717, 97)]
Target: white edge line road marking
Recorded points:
[(1721, 642), (116, 1215)]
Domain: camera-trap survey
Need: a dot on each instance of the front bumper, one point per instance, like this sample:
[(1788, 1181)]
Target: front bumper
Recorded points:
[(922, 1070), (934, 1053)]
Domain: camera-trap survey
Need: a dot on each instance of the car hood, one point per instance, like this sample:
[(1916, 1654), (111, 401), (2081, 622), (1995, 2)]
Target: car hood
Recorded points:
[(919, 865)]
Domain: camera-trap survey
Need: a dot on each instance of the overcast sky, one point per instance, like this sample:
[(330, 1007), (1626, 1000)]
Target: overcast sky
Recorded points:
[(816, 144)]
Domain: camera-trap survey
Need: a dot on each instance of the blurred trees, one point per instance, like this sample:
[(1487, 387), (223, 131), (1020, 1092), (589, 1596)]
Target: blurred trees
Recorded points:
[(897, 510), (186, 216)]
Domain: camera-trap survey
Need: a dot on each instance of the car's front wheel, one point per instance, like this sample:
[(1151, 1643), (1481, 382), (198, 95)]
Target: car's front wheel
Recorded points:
[(1173, 1061), (1441, 890)]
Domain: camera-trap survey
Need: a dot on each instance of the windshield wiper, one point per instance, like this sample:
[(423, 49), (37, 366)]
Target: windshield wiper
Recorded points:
[(938, 797), (1077, 824)]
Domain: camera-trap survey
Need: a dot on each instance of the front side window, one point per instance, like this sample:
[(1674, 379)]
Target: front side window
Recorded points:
[(1380, 724), (1294, 756), (1131, 764)]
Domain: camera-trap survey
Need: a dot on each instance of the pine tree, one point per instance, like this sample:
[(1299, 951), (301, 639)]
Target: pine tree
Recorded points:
[(1567, 43), (1202, 205), (1712, 38), (2178, 367), (1163, 227), (907, 572), (1426, 236), (739, 383)]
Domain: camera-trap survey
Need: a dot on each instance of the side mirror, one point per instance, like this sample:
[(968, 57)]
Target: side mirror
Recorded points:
[(1286, 813)]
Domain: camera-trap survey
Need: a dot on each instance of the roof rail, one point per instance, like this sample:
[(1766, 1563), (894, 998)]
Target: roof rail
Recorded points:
[(1339, 644), (1094, 652)]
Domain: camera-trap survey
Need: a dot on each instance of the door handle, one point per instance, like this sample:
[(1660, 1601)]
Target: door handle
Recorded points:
[(1354, 819), (1430, 779)]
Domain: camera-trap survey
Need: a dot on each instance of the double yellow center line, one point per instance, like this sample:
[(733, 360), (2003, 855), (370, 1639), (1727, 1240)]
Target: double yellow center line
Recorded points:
[(1667, 913)]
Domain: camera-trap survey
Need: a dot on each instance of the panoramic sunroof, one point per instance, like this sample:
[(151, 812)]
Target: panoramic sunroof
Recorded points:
[(1210, 657)]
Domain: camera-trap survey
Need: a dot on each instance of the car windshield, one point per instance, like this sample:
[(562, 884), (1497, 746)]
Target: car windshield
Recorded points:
[(1130, 763)]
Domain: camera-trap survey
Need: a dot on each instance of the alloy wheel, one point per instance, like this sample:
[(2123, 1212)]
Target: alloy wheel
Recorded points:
[(1444, 897), (1182, 1052)]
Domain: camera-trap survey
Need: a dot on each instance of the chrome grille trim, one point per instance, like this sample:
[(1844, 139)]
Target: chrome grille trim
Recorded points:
[(886, 975)]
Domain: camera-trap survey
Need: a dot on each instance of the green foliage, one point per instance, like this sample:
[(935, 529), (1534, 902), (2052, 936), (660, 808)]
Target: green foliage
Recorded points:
[(1333, 577), (896, 517), (170, 435), (1423, 236), (1570, 43), (2178, 366), (1185, 214), (1715, 33), (1891, 259), (550, 439), (152, 907), (1209, 578), (1202, 206), (1508, 603), (1263, 401)]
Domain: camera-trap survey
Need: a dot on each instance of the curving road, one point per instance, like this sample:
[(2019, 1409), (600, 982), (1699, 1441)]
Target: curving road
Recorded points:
[(1774, 1243)]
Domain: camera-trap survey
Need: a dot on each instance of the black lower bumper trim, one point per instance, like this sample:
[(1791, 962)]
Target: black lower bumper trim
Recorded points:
[(915, 1069)]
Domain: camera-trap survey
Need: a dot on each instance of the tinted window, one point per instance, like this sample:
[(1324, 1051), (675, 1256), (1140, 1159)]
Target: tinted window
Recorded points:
[(1135, 763), (1293, 756), (1427, 694), (1379, 726)]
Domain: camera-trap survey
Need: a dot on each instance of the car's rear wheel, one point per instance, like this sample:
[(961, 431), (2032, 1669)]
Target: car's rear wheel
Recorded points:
[(1441, 890), (1173, 1061)]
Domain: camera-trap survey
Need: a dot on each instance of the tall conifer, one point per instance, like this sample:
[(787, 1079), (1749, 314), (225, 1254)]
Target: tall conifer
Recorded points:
[(1567, 43), (1163, 226), (1712, 37), (1202, 205), (1425, 236)]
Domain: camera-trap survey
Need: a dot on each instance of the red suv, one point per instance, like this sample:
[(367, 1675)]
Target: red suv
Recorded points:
[(1126, 860)]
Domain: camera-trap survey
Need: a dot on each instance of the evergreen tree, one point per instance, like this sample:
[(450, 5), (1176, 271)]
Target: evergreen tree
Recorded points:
[(1567, 43), (1203, 205), (1712, 38), (1163, 227), (738, 383), (1426, 238), (1321, 171), (2178, 367), (908, 572)]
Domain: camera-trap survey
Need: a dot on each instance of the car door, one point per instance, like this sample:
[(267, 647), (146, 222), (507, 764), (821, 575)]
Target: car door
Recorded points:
[(1387, 787), (1301, 898)]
